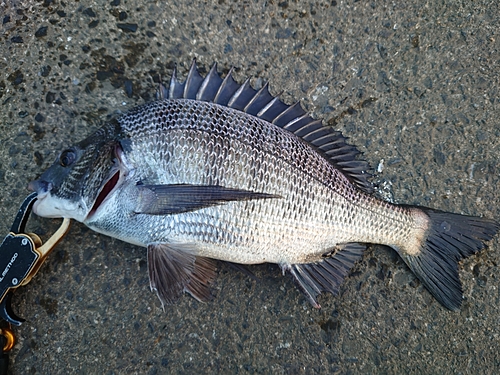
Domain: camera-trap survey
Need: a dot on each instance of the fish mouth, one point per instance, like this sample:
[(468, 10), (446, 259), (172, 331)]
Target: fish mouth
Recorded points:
[(105, 191), (117, 176)]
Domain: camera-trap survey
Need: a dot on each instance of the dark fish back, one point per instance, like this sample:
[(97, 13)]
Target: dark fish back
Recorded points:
[(261, 104)]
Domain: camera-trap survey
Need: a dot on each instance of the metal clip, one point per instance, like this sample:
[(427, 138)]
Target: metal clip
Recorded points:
[(21, 256), (7, 341), (10, 339)]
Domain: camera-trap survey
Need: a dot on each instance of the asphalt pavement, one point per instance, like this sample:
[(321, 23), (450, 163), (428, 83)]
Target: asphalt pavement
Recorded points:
[(414, 84)]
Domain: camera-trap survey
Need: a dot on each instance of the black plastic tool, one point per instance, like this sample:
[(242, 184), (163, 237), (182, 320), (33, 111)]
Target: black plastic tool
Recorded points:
[(17, 258), (21, 255)]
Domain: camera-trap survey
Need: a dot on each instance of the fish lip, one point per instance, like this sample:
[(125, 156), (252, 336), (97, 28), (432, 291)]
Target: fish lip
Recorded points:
[(42, 189)]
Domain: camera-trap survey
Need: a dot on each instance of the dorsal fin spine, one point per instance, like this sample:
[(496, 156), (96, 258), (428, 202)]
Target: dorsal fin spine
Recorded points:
[(238, 92), (267, 106), (256, 96), (225, 83), (201, 91), (295, 120), (287, 111), (308, 128), (210, 85), (189, 78), (173, 80), (193, 82)]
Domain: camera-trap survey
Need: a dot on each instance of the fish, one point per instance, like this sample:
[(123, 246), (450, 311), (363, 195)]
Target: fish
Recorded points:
[(213, 170)]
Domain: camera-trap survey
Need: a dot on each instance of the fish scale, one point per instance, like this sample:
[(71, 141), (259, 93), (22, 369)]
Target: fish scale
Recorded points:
[(218, 170)]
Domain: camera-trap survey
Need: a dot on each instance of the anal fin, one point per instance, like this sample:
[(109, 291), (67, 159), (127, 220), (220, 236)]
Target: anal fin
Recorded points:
[(174, 269), (328, 274)]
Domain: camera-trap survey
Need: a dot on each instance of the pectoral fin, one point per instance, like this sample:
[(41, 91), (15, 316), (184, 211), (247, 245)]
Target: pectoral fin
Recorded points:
[(175, 199), (174, 270)]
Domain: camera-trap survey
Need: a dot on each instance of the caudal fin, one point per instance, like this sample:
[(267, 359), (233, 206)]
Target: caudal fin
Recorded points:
[(448, 239)]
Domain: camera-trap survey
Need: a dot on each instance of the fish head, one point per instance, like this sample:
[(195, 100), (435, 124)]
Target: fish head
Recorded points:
[(81, 177)]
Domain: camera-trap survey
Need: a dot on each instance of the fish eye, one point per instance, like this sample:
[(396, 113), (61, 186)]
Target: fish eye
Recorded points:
[(67, 158)]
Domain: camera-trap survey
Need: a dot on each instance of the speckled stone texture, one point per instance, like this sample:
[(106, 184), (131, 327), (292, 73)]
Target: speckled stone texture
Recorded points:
[(414, 85)]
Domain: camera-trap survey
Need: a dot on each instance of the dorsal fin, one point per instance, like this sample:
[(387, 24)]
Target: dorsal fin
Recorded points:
[(260, 103)]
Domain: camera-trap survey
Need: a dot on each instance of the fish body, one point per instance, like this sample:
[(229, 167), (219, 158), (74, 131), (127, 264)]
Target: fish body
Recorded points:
[(218, 170), (290, 225)]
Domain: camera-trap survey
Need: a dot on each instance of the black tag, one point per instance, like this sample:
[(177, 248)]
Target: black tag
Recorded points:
[(17, 258)]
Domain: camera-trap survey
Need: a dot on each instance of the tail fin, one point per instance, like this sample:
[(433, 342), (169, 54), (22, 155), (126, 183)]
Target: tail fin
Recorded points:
[(449, 239)]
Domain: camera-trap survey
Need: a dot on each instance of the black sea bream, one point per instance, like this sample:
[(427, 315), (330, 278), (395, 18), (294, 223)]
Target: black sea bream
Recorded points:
[(218, 170)]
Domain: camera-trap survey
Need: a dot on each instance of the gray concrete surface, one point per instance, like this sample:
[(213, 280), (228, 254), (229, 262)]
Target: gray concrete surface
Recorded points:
[(414, 84)]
